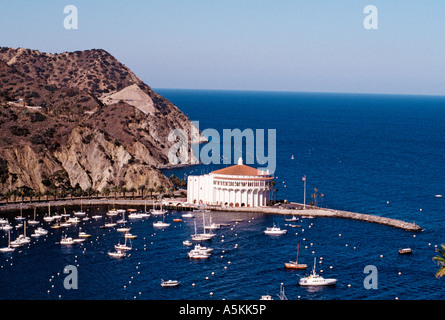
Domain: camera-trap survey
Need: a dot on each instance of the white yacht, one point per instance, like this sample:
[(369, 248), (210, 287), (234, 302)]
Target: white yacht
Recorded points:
[(198, 254), (160, 224), (274, 230), (67, 240), (40, 230), (202, 249), (316, 280)]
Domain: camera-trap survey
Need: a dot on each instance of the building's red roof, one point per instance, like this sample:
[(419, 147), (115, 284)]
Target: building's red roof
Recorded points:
[(240, 170)]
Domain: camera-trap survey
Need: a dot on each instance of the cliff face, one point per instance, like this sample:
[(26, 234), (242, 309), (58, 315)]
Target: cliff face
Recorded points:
[(81, 118)]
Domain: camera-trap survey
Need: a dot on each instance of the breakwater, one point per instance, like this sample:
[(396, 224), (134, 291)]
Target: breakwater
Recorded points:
[(323, 212)]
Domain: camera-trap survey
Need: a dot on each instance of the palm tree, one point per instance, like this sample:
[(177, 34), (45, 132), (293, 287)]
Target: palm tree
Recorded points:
[(47, 193), (115, 189), (124, 191), (7, 195), (440, 261), (142, 188), (161, 190), (106, 192), (151, 190), (132, 190)]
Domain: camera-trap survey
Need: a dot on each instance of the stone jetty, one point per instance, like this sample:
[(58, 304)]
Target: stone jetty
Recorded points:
[(323, 212)]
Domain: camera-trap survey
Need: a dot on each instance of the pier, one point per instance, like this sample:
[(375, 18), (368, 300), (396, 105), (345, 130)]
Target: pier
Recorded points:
[(296, 209)]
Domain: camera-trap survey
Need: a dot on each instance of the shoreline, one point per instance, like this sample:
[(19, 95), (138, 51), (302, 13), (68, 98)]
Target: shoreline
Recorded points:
[(313, 212)]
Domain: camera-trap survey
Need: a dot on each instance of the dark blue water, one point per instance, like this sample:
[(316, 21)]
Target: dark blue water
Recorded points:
[(365, 153)]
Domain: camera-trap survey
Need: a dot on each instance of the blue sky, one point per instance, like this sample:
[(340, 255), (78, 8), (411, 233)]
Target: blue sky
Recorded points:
[(286, 45)]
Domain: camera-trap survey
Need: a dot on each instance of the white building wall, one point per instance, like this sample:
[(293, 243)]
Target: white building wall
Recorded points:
[(201, 190)]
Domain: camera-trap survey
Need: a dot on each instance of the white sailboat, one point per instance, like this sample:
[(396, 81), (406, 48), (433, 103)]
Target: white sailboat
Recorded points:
[(123, 228), (161, 224), (145, 214), (34, 221), (20, 217), (8, 248), (124, 246), (81, 212), (49, 218), (158, 212)]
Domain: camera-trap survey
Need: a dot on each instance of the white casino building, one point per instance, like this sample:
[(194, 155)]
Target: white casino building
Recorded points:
[(236, 186)]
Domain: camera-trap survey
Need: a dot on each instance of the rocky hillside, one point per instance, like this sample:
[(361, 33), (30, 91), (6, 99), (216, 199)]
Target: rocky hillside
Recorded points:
[(80, 118)]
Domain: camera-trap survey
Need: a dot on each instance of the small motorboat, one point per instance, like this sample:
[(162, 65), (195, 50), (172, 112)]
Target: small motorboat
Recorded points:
[(135, 215), (123, 229), (161, 224), (187, 215), (187, 243), (117, 254), (169, 283), (129, 235), (274, 231), (406, 251), (84, 235)]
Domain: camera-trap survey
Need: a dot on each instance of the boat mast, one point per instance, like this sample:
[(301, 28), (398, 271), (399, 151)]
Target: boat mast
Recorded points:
[(298, 249)]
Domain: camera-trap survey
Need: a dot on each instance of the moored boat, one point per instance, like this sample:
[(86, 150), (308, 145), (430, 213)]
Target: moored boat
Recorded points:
[(405, 251), (316, 280), (169, 283), (295, 264), (274, 230)]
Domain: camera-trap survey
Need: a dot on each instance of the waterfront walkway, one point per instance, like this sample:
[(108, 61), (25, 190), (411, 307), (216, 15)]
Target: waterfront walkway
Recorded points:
[(286, 209)]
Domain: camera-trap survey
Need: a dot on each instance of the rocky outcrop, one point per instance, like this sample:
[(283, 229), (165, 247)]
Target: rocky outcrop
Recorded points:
[(81, 118)]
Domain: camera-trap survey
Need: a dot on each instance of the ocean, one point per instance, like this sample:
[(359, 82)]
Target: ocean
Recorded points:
[(377, 154)]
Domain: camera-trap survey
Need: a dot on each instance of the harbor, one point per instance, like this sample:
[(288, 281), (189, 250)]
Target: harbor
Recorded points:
[(238, 259), (290, 209)]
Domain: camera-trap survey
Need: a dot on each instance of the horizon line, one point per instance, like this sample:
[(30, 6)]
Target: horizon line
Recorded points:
[(295, 91)]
